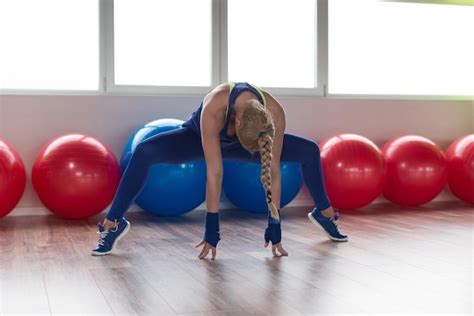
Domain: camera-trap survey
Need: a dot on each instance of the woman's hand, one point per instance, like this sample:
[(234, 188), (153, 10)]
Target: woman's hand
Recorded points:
[(211, 236), (278, 248), (273, 234), (205, 250)]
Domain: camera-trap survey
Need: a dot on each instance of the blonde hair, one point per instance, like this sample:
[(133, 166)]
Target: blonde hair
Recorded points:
[(256, 134)]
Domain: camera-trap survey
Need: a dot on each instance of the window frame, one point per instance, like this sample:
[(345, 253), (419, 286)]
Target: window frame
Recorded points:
[(219, 63)]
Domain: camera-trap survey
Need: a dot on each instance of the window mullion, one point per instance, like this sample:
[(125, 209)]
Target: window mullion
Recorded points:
[(322, 47), (102, 46), (216, 43), (223, 57), (107, 28)]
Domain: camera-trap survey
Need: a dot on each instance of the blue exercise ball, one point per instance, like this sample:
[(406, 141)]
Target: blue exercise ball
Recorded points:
[(170, 189), (243, 188)]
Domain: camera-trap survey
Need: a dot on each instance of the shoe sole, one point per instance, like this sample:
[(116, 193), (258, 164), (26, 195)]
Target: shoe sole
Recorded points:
[(125, 231), (315, 222)]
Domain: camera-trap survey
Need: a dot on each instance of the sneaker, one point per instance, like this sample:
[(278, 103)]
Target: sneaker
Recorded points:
[(328, 225), (109, 238)]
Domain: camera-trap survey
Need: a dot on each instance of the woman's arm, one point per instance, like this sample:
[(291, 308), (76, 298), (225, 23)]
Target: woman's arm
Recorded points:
[(213, 156), (211, 125)]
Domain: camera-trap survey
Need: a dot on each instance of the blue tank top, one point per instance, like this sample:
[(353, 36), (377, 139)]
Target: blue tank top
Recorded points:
[(235, 90)]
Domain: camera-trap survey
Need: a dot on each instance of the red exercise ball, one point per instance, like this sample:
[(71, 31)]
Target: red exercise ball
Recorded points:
[(75, 176), (417, 170), (12, 178), (354, 170), (460, 157)]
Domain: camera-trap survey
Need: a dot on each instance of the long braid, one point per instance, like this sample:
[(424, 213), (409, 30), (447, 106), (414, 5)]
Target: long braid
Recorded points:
[(265, 143)]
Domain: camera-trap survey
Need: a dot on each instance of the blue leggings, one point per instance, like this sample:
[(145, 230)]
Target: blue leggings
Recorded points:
[(183, 144)]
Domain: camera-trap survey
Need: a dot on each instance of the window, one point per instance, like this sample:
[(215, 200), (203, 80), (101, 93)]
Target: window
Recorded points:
[(49, 44), (378, 47), (272, 43), (350, 47), (163, 43)]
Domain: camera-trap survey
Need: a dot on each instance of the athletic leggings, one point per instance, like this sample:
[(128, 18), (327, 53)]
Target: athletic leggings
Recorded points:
[(184, 144)]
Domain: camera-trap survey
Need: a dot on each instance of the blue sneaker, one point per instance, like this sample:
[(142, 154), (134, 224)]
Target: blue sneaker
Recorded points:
[(329, 226), (109, 238)]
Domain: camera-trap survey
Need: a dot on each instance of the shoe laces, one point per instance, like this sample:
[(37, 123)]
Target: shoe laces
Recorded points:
[(103, 234), (335, 222)]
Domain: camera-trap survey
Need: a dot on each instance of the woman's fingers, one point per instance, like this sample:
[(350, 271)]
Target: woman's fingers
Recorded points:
[(281, 250), (204, 252), (214, 252), (278, 251), (200, 244), (206, 249)]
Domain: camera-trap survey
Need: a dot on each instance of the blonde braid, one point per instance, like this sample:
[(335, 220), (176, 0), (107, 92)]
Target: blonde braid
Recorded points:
[(265, 143)]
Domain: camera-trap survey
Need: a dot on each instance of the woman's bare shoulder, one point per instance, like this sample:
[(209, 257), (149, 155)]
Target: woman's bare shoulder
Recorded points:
[(272, 103), (218, 98)]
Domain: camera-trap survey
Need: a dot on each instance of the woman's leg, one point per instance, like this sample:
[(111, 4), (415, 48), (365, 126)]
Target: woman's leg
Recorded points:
[(174, 146), (306, 152)]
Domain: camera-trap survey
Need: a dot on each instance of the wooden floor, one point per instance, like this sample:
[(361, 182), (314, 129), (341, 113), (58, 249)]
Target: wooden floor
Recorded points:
[(411, 261)]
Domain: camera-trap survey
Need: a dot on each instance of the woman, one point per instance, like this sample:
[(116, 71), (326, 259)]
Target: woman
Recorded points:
[(235, 121)]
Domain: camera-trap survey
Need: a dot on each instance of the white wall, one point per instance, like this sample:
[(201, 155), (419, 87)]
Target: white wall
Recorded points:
[(28, 122)]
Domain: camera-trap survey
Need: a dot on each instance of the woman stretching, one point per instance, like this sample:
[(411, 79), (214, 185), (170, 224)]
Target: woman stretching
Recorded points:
[(236, 121)]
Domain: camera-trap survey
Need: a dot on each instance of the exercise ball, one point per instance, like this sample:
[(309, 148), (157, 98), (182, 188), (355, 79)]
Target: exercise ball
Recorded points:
[(12, 178), (170, 189), (460, 156), (354, 170), (417, 170), (243, 187), (75, 176)]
